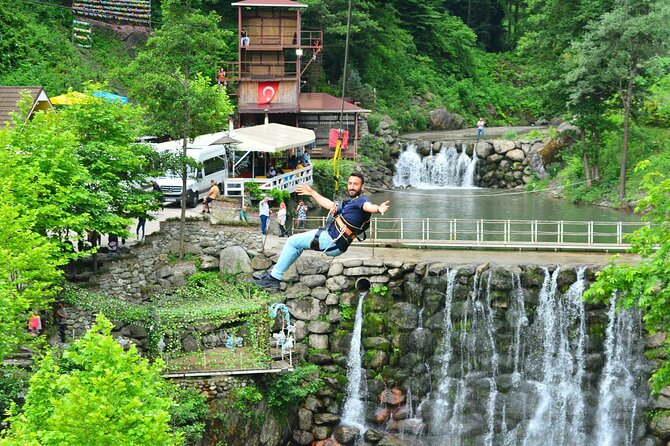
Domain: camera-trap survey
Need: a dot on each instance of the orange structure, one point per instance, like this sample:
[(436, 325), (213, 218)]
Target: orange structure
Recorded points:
[(274, 55)]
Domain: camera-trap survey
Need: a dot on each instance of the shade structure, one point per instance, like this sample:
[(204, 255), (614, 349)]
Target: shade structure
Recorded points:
[(71, 98), (272, 138), (111, 97)]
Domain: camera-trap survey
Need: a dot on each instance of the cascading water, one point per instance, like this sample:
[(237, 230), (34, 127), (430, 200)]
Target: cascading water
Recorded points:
[(535, 392), (617, 407), (354, 407), (448, 168)]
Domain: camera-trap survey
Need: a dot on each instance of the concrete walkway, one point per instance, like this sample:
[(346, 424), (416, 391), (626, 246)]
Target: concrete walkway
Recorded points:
[(471, 133)]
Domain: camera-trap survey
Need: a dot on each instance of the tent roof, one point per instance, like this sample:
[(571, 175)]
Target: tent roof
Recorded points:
[(323, 102), (210, 139), (272, 138), (10, 97)]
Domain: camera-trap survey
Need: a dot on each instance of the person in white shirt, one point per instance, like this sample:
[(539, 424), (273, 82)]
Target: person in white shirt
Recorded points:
[(264, 213), (281, 220)]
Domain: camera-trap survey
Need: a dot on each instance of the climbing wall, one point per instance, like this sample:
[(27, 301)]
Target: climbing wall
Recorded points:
[(136, 12)]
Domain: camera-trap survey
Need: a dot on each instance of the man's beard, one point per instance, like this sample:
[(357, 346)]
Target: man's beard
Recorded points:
[(355, 194)]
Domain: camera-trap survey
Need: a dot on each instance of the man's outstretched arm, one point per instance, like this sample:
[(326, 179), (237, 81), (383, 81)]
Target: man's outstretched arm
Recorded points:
[(304, 189), (376, 208)]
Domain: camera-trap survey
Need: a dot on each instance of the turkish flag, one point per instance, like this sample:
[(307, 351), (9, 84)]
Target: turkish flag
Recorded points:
[(267, 91)]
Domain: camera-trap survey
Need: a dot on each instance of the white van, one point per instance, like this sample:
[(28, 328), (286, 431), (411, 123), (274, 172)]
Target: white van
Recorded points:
[(214, 167)]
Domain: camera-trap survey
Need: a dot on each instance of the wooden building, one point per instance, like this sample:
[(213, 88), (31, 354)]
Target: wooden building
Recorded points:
[(10, 97), (274, 55)]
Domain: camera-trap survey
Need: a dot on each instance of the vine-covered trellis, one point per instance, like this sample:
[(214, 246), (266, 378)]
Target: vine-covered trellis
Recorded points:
[(208, 305)]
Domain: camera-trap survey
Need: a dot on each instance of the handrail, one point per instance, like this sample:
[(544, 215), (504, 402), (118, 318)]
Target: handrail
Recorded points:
[(287, 181), (510, 234)]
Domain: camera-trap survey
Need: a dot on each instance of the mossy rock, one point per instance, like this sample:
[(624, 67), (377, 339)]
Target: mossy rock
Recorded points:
[(377, 302), (374, 324)]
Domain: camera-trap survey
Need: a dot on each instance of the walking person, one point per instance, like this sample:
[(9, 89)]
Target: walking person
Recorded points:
[(141, 222), (480, 129), (243, 214), (351, 218), (264, 214), (281, 220), (211, 196), (301, 210)]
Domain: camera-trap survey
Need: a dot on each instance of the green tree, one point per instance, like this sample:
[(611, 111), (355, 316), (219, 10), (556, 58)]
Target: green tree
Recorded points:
[(614, 52), (645, 284), (168, 76), (94, 394)]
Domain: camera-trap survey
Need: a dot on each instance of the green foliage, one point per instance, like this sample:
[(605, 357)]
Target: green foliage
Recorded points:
[(510, 135), (287, 390), (189, 413), (254, 190), (280, 196), (379, 289), (246, 400), (324, 177), (94, 393), (13, 386), (644, 284), (346, 311)]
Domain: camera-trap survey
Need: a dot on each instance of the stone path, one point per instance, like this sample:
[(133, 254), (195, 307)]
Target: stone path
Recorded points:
[(491, 132)]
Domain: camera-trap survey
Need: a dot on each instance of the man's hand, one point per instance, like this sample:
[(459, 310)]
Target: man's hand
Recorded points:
[(304, 189), (383, 207)]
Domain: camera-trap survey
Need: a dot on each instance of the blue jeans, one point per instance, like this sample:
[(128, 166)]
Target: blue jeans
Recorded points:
[(264, 224), (481, 132), (296, 244)]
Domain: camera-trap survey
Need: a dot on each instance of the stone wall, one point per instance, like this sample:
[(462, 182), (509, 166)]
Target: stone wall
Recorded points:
[(147, 268)]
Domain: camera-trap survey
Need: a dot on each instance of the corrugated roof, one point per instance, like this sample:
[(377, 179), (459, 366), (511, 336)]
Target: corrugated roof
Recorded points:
[(274, 3), (323, 102), (10, 97)]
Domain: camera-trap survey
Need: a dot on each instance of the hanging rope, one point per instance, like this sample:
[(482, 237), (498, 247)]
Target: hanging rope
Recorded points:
[(337, 156)]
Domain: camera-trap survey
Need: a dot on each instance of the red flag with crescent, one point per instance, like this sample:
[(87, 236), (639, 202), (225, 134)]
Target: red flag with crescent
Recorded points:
[(267, 91)]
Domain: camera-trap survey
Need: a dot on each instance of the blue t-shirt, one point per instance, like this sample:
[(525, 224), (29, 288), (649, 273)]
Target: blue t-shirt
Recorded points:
[(352, 211)]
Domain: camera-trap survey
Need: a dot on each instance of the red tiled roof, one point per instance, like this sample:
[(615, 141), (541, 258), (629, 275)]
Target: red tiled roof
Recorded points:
[(275, 3), (9, 101), (321, 102)]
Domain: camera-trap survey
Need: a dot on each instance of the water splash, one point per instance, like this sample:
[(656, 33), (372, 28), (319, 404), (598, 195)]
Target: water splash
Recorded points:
[(354, 406)]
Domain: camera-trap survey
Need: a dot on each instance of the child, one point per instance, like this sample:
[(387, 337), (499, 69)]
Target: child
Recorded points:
[(35, 323)]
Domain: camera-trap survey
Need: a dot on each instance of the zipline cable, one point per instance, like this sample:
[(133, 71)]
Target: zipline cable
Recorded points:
[(337, 156)]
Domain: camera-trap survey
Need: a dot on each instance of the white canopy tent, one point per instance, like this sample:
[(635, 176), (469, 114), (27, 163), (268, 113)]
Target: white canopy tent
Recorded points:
[(271, 138)]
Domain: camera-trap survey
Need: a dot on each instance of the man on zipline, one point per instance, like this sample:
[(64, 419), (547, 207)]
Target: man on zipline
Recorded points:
[(351, 218)]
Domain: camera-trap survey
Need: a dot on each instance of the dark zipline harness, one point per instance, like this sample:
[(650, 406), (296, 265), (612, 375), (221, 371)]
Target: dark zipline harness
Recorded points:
[(346, 232)]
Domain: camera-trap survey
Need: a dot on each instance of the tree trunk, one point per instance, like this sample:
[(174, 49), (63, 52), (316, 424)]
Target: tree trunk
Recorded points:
[(627, 103), (184, 170), (596, 155), (585, 160)]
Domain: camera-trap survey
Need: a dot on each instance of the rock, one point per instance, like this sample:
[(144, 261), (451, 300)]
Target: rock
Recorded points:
[(303, 438), (337, 283), (326, 441), (307, 309), (261, 263), (516, 155), (305, 418), (364, 271), (336, 268), (412, 426), (346, 434), (501, 147), (382, 414), (326, 418), (313, 280), (234, 259), (136, 331), (404, 315), (537, 166), (373, 436), (209, 263), (189, 344), (297, 291), (421, 340), (390, 440), (483, 149), (376, 359), (318, 341), (660, 425), (392, 396), (319, 327), (441, 119), (313, 263)]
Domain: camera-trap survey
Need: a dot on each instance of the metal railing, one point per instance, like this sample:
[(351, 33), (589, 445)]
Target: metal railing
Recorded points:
[(287, 181), (508, 234)]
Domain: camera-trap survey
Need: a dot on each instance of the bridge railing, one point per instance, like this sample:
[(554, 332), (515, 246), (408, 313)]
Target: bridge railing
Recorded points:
[(480, 233)]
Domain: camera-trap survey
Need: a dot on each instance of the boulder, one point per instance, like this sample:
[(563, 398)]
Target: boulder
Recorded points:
[(234, 259), (307, 309), (516, 155), (209, 263), (442, 119), (313, 263), (305, 419), (483, 149), (346, 434), (501, 146), (404, 315), (303, 438)]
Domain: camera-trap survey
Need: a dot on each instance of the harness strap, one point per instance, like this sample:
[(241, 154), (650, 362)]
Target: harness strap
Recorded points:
[(316, 246)]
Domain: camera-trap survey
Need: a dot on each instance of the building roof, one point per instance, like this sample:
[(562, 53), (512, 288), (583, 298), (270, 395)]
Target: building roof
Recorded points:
[(271, 3), (272, 137), (323, 102), (284, 107), (10, 97)]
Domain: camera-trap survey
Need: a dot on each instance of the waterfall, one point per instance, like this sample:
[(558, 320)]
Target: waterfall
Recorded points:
[(618, 405), (354, 406), (559, 416), (448, 168)]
